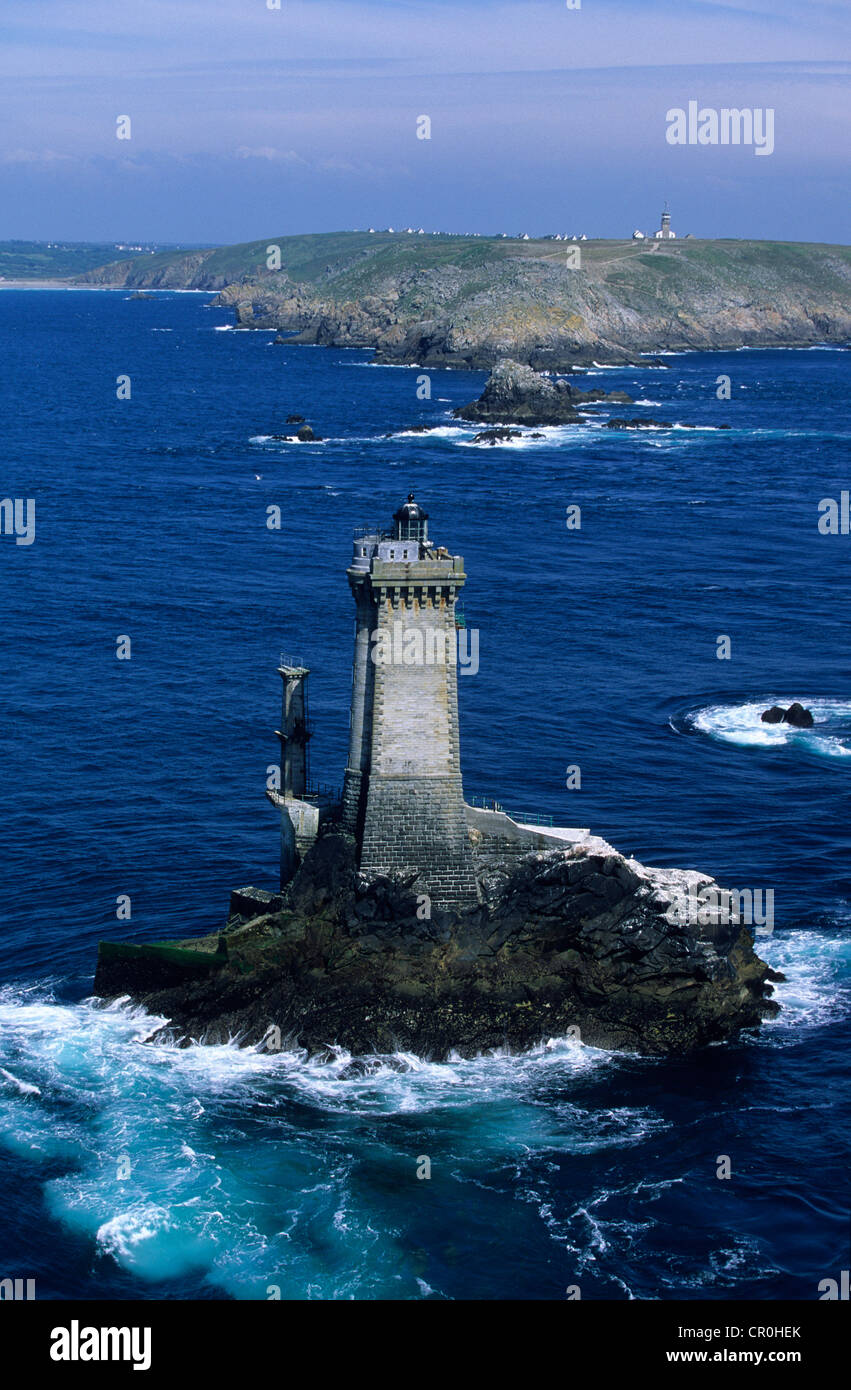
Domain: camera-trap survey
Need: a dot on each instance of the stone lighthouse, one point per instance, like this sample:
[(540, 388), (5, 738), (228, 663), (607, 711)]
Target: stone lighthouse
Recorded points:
[(402, 794), (664, 233)]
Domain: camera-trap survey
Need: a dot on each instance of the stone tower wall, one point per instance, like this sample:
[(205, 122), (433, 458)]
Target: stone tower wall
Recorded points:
[(414, 807), (293, 731), (360, 719)]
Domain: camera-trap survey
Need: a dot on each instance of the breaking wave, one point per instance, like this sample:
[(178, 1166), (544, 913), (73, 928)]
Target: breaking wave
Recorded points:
[(741, 724)]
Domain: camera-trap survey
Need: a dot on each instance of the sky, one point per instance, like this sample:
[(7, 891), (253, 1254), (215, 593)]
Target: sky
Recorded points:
[(248, 120)]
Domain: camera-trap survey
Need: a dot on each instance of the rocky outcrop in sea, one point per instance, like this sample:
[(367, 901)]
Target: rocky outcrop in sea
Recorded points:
[(517, 395), (795, 715), (576, 941)]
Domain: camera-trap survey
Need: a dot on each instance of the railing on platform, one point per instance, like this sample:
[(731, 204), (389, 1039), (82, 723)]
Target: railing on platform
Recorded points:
[(489, 803), (486, 803), (325, 789)]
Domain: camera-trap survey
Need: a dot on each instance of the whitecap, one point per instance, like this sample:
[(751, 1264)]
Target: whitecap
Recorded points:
[(815, 964), (434, 432), (24, 1088), (830, 736)]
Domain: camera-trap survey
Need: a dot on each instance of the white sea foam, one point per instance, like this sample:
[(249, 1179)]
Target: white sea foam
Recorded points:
[(464, 436), (227, 1177), (541, 435), (199, 1158), (830, 736), (24, 1088), (814, 963), (814, 347), (434, 432), (287, 443)]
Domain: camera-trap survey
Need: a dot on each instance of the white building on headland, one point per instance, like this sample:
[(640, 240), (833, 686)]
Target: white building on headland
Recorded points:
[(664, 233)]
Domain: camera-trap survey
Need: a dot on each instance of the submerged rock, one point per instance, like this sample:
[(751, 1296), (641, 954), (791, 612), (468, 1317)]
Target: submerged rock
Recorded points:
[(578, 939), (305, 435), (499, 436), (648, 423)]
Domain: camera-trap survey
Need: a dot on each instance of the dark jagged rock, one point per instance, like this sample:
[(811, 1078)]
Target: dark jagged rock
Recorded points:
[(306, 434), (799, 717), (253, 902), (795, 715), (617, 423), (575, 938), (775, 715), (515, 394), (499, 436), (140, 294)]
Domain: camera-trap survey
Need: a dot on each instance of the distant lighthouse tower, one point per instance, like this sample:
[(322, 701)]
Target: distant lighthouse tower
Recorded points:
[(664, 233), (402, 794)]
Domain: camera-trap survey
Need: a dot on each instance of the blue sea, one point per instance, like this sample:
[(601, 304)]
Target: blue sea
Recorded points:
[(134, 1170)]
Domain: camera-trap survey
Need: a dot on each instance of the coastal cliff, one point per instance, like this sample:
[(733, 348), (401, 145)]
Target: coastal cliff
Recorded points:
[(576, 941), (469, 301)]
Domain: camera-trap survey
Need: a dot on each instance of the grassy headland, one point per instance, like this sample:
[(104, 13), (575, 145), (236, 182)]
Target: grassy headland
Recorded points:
[(467, 301)]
